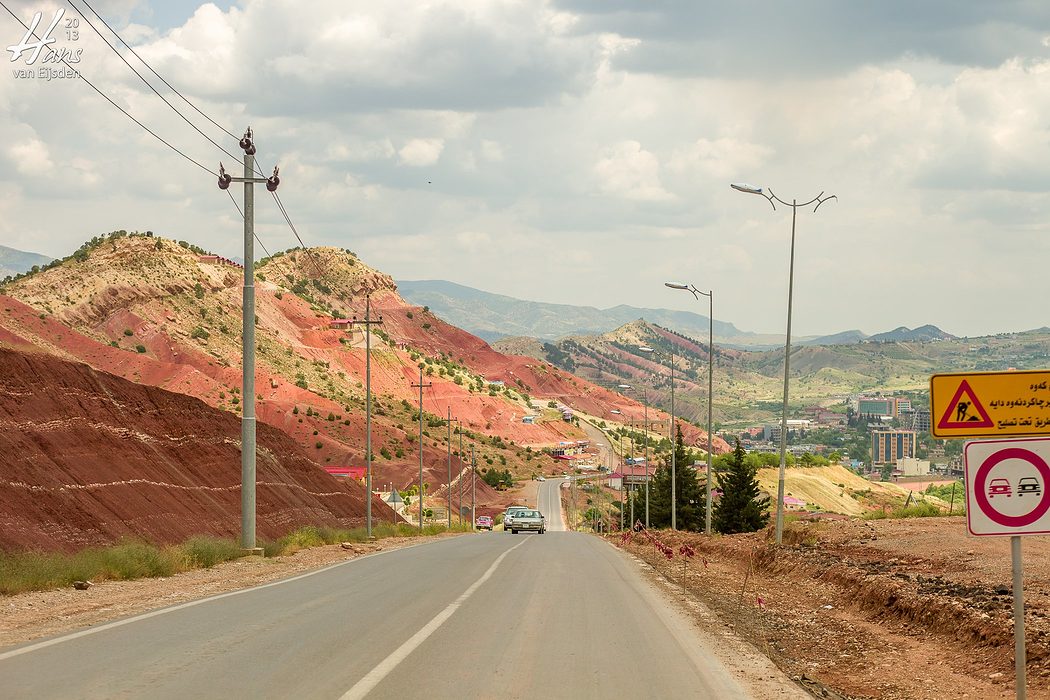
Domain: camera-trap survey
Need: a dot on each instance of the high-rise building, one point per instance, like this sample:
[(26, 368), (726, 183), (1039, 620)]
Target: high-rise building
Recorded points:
[(887, 446), (921, 420)]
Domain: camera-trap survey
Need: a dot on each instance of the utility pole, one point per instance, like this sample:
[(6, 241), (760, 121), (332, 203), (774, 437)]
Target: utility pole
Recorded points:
[(631, 487), (623, 503), (421, 385), (450, 421), (645, 395), (248, 336), (459, 481), (572, 518), (368, 323), (473, 489)]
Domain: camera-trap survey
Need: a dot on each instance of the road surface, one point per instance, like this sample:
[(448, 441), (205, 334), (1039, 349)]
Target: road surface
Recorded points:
[(562, 615)]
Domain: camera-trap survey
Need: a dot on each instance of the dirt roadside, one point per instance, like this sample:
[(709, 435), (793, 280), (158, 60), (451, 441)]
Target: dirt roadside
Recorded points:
[(896, 609), (30, 616)]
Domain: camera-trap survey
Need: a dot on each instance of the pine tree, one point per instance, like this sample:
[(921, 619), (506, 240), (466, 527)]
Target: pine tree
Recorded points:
[(738, 510), (689, 496)]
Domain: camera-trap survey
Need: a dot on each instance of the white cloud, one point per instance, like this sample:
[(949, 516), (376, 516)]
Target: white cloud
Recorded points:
[(562, 126), (628, 170), (420, 153), (724, 158), (31, 157)]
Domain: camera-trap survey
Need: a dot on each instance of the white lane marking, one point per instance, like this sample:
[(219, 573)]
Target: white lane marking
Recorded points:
[(145, 616), (374, 677)]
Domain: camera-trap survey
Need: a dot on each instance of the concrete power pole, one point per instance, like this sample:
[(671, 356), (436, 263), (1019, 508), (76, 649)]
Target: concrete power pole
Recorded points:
[(421, 385), (368, 323), (459, 481), (473, 489), (450, 421), (248, 336)]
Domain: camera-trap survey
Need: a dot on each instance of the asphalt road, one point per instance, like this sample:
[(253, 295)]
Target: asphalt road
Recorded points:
[(493, 615)]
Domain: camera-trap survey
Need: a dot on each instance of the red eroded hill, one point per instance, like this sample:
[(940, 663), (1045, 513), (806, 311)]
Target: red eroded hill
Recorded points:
[(161, 314), (88, 458)]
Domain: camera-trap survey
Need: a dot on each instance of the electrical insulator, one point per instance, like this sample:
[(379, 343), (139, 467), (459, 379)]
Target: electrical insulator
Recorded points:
[(224, 178), (246, 142), (273, 181)]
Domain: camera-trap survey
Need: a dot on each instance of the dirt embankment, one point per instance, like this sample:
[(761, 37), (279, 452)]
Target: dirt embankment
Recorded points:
[(873, 609), (88, 458)]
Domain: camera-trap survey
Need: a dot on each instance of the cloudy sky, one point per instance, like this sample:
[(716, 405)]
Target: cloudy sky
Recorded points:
[(575, 151)]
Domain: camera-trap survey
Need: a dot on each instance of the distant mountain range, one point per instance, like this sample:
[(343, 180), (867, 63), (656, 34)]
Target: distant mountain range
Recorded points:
[(15, 262), (496, 316)]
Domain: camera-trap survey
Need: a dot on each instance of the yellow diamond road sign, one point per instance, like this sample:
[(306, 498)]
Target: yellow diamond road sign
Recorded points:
[(990, 404)]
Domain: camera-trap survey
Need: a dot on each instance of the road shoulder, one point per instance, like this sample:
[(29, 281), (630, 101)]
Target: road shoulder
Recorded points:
[(749, 667)]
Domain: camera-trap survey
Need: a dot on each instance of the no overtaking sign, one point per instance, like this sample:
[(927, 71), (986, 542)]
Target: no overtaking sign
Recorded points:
[(1007, 487)]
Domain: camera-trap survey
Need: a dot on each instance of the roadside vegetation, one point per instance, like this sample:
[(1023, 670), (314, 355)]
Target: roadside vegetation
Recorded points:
[(131, 559)]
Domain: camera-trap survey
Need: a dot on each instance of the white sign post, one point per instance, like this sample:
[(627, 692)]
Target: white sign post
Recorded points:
[(1008, 495)]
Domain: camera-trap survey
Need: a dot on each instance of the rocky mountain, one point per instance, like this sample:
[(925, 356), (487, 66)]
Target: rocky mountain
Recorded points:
[(14, 262), (904, 334), (494, 316)]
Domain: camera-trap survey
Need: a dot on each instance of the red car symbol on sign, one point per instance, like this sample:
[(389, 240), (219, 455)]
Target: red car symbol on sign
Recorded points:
[(1028, 484), (999, 487)]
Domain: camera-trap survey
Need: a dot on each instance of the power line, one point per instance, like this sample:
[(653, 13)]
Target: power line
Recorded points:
[(105, 96), (277, 199), (80, 75), (144, 81), (288, 219), (159, 76)]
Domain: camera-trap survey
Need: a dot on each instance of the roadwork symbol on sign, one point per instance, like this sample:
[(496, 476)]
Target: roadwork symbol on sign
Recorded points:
[(964, 411), (990, 404), (1007, 487)]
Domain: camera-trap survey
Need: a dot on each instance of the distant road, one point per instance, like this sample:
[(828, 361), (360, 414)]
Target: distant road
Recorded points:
[(494, 615)]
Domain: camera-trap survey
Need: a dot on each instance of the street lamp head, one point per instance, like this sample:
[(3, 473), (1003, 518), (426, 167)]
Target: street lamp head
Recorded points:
[(616, 411), (749, 189), (646, 348), (624, 386), (676, 285)]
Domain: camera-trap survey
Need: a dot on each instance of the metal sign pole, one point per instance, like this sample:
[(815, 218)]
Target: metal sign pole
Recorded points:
[(1019, 650)]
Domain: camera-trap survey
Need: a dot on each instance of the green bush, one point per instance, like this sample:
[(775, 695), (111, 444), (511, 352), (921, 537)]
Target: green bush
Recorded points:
[(129, 332), (199, 332), (206, 552), (140, 348)]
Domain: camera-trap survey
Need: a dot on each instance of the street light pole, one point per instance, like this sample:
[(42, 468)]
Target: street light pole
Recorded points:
[(710, 382), (674, 476), (473, 489), (645, 397), (794, 204)]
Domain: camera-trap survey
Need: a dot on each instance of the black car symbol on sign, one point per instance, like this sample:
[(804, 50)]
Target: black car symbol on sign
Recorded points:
[(999, 487), (1028, 484)]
